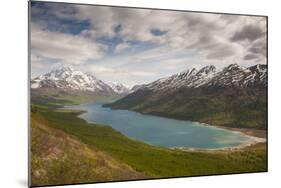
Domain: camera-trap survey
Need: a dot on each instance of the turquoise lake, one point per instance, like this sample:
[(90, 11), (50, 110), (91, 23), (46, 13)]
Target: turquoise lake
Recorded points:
[(161, 131)]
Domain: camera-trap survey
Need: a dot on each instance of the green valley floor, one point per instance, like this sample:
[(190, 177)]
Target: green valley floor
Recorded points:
[(66, 150)]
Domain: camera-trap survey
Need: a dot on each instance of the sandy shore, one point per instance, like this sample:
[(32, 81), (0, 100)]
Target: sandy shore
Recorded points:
[(250, 132), (255, 137), (253, 141), (247, 131)]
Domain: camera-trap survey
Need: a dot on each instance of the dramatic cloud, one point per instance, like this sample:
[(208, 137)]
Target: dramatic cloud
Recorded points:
[(248, 32), (136, 46), (64, 47), (250, 56)]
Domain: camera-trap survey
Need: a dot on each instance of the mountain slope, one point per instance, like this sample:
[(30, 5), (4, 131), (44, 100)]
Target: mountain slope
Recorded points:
[(66, 78), (233, 97), (136, 87), (54, 152), (240, 77), (231, 76), (119, 88)]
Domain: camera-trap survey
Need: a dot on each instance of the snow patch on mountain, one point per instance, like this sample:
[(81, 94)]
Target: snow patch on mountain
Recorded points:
[(119, 88), (233, 75), (136, 87), (189, 78), (67, 78)]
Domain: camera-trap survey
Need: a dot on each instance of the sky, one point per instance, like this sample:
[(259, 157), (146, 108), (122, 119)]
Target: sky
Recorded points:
[(137, 46)]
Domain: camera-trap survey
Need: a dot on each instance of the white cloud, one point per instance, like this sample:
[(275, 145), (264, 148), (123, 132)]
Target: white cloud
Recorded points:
[(121, 47), (207, 34), (67, 48), (185, 40)]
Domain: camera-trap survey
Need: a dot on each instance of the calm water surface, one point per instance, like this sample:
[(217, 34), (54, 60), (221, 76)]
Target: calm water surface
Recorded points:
[(161, 131)]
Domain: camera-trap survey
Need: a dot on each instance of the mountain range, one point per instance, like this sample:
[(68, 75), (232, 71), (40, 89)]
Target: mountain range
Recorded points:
[(235, 96), (68, 79), (232, 76)]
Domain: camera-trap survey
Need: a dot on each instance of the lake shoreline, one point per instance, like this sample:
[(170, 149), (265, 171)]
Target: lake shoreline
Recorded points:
[(260, 133), (254, 141), (256, 136)]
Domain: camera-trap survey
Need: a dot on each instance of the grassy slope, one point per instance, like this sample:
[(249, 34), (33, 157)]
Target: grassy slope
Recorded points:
[(242, 110), (58, 158), (58, 97), (153, 161)]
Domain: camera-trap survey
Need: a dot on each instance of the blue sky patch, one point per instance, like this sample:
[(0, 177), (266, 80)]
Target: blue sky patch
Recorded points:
[(46, 14), (118, 28), (157, 32)]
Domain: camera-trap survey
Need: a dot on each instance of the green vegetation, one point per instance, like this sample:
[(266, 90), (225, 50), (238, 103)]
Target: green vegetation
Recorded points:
[(56, 98), (239, 110), (58, 158), (154, 162)]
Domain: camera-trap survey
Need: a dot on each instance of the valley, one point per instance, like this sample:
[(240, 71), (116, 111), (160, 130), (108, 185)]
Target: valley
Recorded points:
[(143, 160), (234, 98), (127, 93)]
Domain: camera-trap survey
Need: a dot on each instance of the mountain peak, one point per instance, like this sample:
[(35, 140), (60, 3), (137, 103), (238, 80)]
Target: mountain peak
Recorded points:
[(233, 75), (63, 68), (234, 67), (258, 67), (66, 78), (193, 71), (207, 69), (119, 88)]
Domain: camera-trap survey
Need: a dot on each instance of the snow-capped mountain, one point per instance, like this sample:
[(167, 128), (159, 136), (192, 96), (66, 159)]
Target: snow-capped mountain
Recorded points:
[(66, 78), (189, 78), (233, 75), (119, 88), (238, 76), (136, 87), (234, 96), (258, 75)]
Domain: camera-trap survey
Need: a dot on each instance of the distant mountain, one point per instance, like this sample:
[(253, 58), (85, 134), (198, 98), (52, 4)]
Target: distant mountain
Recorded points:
[(119, 88), (231, 76), (67, 79), (218, 97), (136, 87)]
